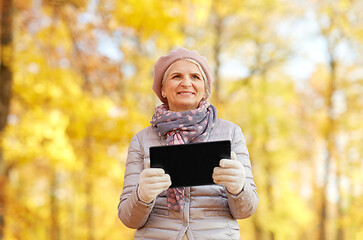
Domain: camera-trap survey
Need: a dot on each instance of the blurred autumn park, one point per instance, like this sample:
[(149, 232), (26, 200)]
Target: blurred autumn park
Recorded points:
[(75, 87)]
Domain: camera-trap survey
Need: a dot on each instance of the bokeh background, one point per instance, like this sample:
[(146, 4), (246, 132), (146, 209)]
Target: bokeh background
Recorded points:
[(75, 86)]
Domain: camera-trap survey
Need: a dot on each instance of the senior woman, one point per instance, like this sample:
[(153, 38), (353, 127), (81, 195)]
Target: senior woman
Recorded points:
[(182, 81)]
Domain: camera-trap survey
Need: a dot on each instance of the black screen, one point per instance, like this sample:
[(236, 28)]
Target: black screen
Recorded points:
[(190, 164)]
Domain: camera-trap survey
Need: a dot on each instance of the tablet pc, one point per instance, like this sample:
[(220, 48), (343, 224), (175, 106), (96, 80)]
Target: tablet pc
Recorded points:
[(190, 164)]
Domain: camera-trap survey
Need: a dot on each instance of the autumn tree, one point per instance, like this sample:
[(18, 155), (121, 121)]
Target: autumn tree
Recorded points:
[(6, 78)]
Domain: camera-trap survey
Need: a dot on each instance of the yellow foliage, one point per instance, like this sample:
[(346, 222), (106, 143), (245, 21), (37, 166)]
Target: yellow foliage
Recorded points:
[(74, 111), (40, 135)]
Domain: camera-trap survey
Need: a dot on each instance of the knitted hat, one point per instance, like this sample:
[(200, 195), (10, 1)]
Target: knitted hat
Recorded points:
[(181, 53)]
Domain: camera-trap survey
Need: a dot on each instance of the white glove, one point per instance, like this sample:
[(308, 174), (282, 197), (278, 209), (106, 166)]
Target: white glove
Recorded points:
[(231, 174), (152, 181)]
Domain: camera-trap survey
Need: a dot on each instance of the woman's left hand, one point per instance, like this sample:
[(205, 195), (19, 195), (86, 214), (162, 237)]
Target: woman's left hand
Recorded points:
[(230, 173)]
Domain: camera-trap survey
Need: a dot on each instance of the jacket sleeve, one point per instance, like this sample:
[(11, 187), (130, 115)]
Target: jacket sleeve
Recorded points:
[(245, 203), (131, 210)]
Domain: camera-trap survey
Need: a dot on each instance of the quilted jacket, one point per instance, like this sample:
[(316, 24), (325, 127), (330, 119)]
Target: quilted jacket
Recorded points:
[(210, 211)]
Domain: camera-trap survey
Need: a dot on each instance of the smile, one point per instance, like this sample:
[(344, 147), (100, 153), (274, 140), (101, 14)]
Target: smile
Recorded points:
[(186, 93)]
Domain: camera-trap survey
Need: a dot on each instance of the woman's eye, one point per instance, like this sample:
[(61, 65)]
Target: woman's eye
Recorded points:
[(176, 76), (196, 77)]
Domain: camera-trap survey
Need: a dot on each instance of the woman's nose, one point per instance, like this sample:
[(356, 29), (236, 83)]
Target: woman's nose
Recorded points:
[(187, 81)]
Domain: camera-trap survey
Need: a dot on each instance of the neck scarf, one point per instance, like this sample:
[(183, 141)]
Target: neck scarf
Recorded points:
[(182, 128)]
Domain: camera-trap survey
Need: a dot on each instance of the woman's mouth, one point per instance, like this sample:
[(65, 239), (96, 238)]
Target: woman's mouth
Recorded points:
[(185, 93)]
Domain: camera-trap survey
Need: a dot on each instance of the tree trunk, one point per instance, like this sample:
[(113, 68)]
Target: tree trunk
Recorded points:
[(89, 186), (332, 151), (257, 229), (269, 168), (3, 184), (54, 213), (6, 54), (5, 95), (329, 136), (218, 28), (340, 205)]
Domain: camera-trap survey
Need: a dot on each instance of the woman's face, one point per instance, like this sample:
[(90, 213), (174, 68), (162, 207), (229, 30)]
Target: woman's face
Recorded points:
[(183, 86)]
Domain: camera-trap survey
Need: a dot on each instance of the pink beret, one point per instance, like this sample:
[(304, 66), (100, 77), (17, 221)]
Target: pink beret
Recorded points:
[(181, 53)]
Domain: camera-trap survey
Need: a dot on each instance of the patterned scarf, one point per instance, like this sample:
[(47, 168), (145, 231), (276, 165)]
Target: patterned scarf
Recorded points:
[(183, 128)]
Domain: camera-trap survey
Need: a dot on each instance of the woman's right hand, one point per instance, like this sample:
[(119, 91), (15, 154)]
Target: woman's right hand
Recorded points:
[(152, 181)]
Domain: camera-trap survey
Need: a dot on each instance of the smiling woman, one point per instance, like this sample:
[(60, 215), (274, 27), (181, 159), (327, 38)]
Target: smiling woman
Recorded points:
[(183, 86), (182, 81)]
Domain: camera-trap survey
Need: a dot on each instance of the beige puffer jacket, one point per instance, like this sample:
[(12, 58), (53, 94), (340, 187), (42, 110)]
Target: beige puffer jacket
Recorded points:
[(210, 212)]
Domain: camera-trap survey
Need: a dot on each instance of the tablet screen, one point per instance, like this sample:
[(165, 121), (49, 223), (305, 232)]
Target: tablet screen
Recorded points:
[(190, 164)]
